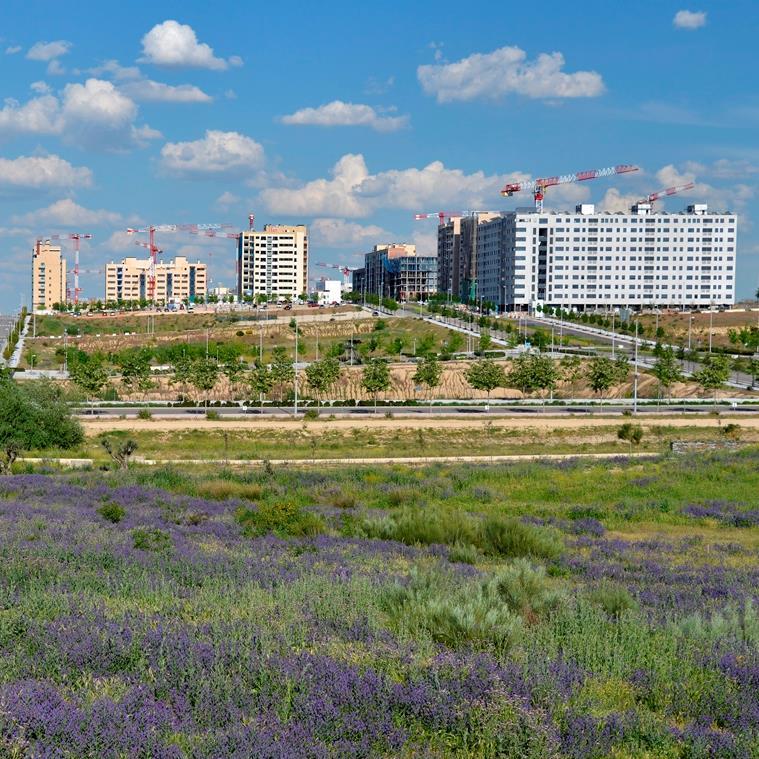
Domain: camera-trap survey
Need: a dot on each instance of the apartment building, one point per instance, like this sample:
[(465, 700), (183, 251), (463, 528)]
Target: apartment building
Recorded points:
[(589, 260), (396, 270), (48, 275), (176, 280), (273, 262)]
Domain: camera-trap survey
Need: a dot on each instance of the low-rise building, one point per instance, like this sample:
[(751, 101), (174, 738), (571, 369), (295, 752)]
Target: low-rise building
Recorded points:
[(329, 291), (175, 281), (396, 270), (48, 276)]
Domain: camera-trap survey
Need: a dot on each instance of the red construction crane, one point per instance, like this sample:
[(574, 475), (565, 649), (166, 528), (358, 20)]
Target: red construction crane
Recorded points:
[(155, 250), (441, 215), (654, 196), (344, 270), (76, 237), (538, 186)]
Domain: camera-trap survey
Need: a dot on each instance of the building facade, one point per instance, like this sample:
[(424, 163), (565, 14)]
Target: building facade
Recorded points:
[(48, 276), (273, 262), (588, 260), (176, 281), (397, 271), (329, 291)]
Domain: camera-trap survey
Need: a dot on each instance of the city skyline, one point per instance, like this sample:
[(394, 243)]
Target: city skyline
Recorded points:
[(154, 116)]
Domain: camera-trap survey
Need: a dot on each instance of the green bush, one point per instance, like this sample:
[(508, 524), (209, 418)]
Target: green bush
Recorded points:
[(310, 414), (282, 518), (111, 511), (524, 589), (464, 553), (212, 416), (613, 599), (151, 539), (144, 413), (412, 526), (507, 536)]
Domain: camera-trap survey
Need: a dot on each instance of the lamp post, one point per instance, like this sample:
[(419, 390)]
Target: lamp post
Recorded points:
[(295, 366), (635, 372)]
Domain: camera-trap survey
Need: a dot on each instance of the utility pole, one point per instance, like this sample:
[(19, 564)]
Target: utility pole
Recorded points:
[(296, 367), (612, 336), (635, 374), (711, 324)]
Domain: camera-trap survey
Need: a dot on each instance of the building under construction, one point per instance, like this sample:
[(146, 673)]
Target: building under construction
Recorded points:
[(396, 271)]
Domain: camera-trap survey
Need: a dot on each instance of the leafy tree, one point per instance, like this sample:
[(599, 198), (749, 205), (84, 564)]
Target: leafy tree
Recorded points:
[(714, 373), (182, 365), (632, 433), (135, 370), (121, 453), (376, 378), (529, 373), (667, 369), (454, 342), (322, 375), (485, 375), (486, 341), (602, 374), (428, 372), (89, 373), (204, 374), (571, 370), (282, 369), (260, 380), (397, 345), (425, 344), (748, 337)]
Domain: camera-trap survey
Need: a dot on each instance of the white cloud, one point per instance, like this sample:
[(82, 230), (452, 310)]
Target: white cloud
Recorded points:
[(13, 49), (339, 233), (174, 44), (158, 92), (338, 113), (689, 19), (42, 173), (90, 115), (54, 68), (614, 200), (725, 168), (120, 242), (218, 153), (47, 51), (115, 70), (227, 199), (490, 76), (375, 86), (41, 88), (67, 213)]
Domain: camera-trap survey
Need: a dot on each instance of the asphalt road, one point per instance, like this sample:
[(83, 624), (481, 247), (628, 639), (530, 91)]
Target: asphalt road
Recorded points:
[(421, 411)]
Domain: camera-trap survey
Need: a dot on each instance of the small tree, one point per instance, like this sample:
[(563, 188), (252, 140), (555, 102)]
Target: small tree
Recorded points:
[(486, 341), (714, 373), (485, 375), (376, 378), (322, 375), (120, 454), (89, 373), (135, 370), (428, 373), (667, 370), (602, 374), (11, 450), (282, 369), (632, 433), (260, 381), (204, 374)]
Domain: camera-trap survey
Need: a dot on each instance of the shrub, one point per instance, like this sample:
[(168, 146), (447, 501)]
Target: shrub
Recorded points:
[(524, 588), (613, 599), (111, 511), (464, 553), (310, 414), (212, 416), (282, 518), (151, 539), (144, 413), (412, 526), (506, 536)]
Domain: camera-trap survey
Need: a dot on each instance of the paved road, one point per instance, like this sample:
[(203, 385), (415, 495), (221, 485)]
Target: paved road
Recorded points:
[(424, 411)]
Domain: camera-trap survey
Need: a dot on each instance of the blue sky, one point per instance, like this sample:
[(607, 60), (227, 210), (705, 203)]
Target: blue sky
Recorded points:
[(352, 117)]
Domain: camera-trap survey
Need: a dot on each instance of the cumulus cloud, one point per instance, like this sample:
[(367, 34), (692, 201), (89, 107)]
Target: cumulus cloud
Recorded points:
[(227, 199), (157, 92), (54, 68), (47, 51), (67, 213), (339, 113), (689, 19), (13, 49), (93, 115), (490, 76), (216, 154), (41, 173), (176, 45), (339, 233), (41, 88), (115, 70)]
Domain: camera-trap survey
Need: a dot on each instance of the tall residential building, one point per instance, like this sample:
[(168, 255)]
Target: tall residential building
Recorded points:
[(273, 262), (176, 280), (397, 271), (589, 260), (48, 275)]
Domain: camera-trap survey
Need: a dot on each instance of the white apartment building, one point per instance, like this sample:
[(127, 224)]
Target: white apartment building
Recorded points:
[(329, 291), (273, 262), (176, 280), (48, 276), (589, 260)]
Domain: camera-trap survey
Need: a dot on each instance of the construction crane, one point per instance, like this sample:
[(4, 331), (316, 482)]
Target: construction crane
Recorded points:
[(76, 237), (654, 196), (538, 186), (344, 270), (441, 216), (154, 250)]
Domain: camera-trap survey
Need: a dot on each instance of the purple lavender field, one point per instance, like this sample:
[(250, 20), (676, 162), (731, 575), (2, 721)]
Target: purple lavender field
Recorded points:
[(433, 612)]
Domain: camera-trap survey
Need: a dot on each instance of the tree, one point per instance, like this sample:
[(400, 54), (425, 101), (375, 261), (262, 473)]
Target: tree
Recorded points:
[(282, 369), (486, 341), (667, 369), (454, 342), (204, 373), (571, 367), (89, 373), (602, 374), (714, 373), (322, 375), (397, 345), (182, 365), (529, 373), (486, 375), (376, 378), (135, 370), (632, 433), (428, 373), (260, 380), (120, 454)]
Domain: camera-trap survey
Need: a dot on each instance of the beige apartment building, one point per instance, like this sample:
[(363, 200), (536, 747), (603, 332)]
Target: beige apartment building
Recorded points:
[(176, 280), (273, 262), (48, 275)]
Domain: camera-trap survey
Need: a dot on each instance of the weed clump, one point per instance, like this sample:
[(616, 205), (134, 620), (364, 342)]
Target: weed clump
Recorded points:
[(282, 518), (613, 599), (112, 512), (151, 539)]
